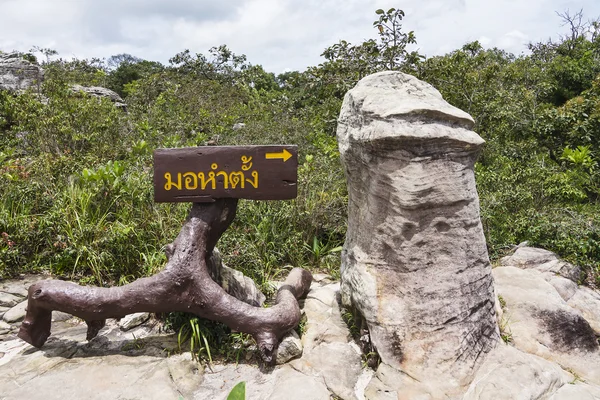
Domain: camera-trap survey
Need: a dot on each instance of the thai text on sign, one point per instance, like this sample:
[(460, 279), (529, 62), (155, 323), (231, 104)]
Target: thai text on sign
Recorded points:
[(201, 174)]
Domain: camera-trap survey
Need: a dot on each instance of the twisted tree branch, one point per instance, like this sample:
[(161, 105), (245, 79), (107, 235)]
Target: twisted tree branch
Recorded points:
[(183, 285)]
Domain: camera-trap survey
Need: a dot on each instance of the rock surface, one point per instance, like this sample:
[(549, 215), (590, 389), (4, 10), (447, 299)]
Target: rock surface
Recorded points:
[(17, 74), (328, 352), (541, 322), (9, 300), (421, 278), (186, 373), (100, 92), (235, 282), (15, 314), (543, 261), (289, 348), (510, 374), (133, 364), (132, 320)]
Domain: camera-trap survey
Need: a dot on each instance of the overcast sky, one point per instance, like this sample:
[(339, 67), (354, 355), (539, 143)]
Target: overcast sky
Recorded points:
[(280, 35)]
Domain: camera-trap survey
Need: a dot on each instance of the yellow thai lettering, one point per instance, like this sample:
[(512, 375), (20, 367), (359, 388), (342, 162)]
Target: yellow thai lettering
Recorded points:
[(205, 181), (246, 163), (169, 184), (237, 178), (254, 181), (190, 180), (225, 178)]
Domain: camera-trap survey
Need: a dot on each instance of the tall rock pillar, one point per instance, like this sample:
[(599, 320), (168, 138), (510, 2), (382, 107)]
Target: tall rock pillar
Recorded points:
[(415, 262)]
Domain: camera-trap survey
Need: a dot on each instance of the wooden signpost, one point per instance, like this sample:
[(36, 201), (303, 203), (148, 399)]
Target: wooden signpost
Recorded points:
[(203, 174), (213, 178)]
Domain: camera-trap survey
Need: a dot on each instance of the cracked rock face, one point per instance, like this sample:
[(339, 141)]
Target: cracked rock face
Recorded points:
[(100, 92), (415, 263), (17, 74)]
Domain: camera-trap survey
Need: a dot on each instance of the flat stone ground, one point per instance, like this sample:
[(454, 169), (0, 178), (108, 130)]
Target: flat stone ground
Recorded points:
[(540, 362), (143, 363)]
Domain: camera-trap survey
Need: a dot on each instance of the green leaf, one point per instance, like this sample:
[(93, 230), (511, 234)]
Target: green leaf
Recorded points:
[(238, 392), (379, 12)]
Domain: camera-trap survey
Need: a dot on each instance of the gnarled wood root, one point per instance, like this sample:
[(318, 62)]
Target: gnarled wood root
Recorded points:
[(183, 285)]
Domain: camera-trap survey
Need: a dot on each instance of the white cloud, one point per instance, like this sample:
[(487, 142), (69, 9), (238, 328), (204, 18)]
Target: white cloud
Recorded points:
[(279, 34), (513, 41), (485, 41)]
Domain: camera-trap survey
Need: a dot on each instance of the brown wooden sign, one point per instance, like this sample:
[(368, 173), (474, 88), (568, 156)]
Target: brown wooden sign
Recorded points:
[(202, 174)]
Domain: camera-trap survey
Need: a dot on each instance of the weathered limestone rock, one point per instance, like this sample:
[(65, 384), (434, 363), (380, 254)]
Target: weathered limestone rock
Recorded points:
[(293, 385), (415, 262), (324, 323), (587, 302), (508, 374), (9, 300), (327, 352), (17, 74), (132, 320), (289, 348), (542, 323), (4, 327), (59, 316), (15, 314), (18, 287), (235, 282), (577, 391), (543, 261), (186, 373), (132, 364), (337, 362), (100, 92)]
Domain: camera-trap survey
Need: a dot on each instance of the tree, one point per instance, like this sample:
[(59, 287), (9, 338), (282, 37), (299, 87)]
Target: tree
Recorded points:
[(45, 51), (126, 69), (115, 61), (572, 63), (222, 65), (346, 64), (393, 41)]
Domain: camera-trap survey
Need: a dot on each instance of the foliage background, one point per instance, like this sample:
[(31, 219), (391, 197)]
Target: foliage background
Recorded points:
[(76, 172)]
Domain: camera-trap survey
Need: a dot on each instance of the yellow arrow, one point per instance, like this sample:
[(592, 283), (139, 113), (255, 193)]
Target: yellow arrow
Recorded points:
[(284, 155)]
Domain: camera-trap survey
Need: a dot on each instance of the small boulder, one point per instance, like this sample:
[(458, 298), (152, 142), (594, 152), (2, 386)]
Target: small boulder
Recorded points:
[(16, 314), (4, 327), (543, 261), (132, 320), (289, 348), (59, 316), (100, 92), (9, 300), (234, 282)]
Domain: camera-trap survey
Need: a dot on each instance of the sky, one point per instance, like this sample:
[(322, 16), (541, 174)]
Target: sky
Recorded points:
[(280, 35)]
